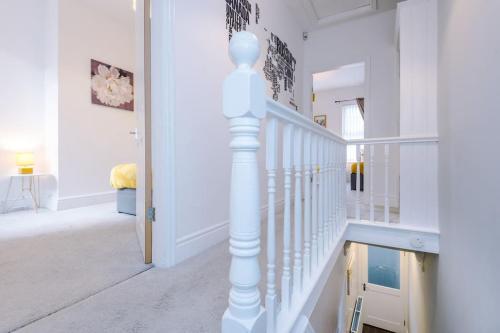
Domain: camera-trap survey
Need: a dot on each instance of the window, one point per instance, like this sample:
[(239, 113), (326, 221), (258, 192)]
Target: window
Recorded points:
[(353, 127), (383, 267)]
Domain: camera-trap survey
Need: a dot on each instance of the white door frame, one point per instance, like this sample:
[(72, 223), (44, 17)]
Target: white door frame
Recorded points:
[(163, 131), (308, 84)]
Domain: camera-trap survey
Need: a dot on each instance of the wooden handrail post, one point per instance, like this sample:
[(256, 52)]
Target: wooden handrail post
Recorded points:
[(244, 105)]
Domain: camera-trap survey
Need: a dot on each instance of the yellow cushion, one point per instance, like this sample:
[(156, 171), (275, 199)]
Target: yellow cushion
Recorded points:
[(354, 167), (123, 176)]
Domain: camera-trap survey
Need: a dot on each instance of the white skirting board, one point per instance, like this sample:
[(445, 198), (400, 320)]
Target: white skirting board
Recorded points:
[(83, 200), (195, 243)]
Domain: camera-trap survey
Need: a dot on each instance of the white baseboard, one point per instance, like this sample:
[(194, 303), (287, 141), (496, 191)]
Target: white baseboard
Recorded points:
[(197, 242), (76, 201)]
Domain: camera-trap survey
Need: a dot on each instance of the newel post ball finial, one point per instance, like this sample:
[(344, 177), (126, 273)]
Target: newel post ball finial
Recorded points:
[(244, 49), (244, 90)]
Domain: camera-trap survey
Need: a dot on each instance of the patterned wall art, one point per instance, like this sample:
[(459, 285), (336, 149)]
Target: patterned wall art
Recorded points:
[(280, 64), (280, 67), (237, 15), (111, 86)]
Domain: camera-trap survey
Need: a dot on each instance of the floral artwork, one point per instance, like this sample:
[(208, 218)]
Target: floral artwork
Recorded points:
[(112, 86)]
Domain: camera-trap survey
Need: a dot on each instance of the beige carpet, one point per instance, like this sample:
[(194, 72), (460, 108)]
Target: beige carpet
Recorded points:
[(52, 260), (190, 297)]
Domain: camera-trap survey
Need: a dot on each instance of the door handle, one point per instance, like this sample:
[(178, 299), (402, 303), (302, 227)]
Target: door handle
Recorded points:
[(135, 133)]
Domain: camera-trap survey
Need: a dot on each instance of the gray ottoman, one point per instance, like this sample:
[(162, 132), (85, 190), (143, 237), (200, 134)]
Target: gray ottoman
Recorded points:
[(125, 201)]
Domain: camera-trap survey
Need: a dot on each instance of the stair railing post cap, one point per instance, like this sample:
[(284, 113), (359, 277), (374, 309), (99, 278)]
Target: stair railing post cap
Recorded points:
[(244, 49), (244, 90)]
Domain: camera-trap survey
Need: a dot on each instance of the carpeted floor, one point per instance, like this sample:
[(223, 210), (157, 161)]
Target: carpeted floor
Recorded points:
[(190, 297), (52, 260)]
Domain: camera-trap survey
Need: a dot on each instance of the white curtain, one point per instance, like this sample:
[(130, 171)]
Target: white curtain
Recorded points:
[(353, 127)]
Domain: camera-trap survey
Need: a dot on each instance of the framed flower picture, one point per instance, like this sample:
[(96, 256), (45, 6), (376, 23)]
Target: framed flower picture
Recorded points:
[(320, 120), (111, 86)]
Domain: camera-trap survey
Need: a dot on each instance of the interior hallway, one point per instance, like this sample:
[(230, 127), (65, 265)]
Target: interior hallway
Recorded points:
[(51, 260)]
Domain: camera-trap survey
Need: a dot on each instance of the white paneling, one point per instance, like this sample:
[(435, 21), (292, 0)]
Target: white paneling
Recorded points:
[(418, 115)]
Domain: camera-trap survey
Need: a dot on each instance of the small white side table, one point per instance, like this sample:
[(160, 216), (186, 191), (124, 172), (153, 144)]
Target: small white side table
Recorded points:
[(30, 185)]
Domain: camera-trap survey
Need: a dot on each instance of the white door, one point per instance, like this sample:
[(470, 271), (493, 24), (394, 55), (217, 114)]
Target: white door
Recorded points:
[(143, 137), (384, 287)]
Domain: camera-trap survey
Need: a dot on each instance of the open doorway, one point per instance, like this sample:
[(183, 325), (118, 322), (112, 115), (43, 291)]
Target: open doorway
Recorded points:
[(340, 103), (339, 98), (70, 226), (388, 290)]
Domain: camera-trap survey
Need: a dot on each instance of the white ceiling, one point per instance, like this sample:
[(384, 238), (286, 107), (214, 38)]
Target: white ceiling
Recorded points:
[(325, 8), (315, 14), (345, 76)]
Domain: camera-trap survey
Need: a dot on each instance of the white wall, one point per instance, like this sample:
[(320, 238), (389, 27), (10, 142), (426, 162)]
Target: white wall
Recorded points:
[(22, 89), (325, 104), (330, 308), (421, 292), (418, 75), (371, 40), (203, 157), (46, 104), (468, 118), (92, 138)]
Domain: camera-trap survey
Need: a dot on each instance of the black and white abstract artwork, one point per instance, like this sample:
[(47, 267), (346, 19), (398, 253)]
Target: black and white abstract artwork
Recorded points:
[(237, 15), (279, 67), (280, 64)]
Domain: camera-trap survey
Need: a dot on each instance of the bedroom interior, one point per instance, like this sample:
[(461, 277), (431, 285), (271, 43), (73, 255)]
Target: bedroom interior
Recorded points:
[(70, 153)]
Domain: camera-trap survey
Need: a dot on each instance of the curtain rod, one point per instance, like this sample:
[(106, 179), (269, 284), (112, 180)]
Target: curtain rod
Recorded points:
[(346, 100)]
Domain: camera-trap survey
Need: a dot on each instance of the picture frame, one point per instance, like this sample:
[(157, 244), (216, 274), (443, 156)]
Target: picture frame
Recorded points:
[(111, 86), (320, 120)]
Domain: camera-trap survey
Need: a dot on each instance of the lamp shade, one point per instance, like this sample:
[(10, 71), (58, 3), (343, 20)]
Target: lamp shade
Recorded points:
[(25, 159)]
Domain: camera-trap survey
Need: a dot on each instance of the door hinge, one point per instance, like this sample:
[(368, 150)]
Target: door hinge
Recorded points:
[(364, 286), (151, 214), (404, 322)]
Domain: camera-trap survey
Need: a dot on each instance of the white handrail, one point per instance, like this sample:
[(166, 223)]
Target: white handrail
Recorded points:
[(395, 139), (288, 115)]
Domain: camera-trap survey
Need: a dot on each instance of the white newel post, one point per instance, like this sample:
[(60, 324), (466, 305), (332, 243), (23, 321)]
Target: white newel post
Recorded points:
[(244, 106)]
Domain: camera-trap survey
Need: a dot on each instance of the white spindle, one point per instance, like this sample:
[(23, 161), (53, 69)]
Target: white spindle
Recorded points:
[(297, 263), (339, 188), (314, 213), (335, 186), (386, 179), (358, 183), (287, 166), (330, 192), (244, 106), (307, 205), (321, 200), (371, 176), (344, 193), (326, 198), (271, 165)]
